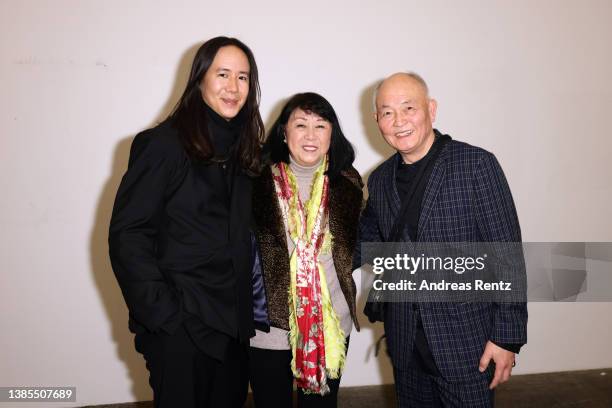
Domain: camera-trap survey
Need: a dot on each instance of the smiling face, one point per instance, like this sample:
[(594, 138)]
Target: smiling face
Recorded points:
[(405, 114), (308, 137), (225, 85)]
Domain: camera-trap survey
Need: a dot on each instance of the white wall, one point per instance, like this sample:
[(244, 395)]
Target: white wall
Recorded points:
[(528, 80)]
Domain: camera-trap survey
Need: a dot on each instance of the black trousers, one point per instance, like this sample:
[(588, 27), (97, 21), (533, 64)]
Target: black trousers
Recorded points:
[(272, 382), (181, 375)]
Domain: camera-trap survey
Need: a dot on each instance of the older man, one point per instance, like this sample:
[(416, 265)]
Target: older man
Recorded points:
[(443, 354)]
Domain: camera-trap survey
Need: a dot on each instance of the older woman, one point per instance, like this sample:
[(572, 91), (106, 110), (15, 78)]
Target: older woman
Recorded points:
[(179, 236), (306, 208)]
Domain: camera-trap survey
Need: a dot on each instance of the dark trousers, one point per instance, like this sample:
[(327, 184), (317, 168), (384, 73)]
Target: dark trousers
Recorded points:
[(272, 382), (418, 389), (181, 375)]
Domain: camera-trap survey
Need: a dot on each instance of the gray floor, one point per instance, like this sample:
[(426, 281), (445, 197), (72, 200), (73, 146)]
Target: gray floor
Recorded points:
[(588, 389)]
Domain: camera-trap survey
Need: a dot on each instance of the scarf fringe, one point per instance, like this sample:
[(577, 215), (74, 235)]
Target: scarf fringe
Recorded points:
[(335, 339)]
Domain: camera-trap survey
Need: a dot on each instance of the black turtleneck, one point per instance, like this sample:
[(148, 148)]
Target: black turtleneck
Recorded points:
[(404, 177), (223, 133)]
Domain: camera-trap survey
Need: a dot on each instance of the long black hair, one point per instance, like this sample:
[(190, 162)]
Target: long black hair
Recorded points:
[(188, 115), (341, 154)]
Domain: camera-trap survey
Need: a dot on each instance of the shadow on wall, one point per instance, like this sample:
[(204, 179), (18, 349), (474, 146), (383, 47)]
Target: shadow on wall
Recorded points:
[(106, 283), (107, 286), (274, 114), (378, 144)]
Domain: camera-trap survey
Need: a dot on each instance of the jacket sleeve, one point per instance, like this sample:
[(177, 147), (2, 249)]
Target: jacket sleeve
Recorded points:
[(368, 229), (153, 171), (497, 222)]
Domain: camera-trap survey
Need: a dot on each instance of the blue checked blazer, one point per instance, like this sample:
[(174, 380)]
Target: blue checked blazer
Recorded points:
[(467, 199)]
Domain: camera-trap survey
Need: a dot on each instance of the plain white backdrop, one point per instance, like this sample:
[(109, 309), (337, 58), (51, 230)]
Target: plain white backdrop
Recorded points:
[(527, 80)]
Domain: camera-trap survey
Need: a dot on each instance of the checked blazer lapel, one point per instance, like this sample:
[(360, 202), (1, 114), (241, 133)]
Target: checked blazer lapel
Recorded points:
[(391, 196), (433, 188)]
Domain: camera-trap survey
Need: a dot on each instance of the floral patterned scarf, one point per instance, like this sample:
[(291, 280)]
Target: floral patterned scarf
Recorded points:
[(316, 338)]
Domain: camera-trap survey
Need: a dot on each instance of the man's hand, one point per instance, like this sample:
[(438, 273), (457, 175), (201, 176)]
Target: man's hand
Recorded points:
[(504, 361)]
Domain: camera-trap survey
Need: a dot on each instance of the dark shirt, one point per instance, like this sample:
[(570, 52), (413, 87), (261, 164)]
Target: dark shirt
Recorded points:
[(404, 176)]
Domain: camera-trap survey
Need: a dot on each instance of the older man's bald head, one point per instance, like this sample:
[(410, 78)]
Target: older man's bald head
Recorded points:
[(400, 77)]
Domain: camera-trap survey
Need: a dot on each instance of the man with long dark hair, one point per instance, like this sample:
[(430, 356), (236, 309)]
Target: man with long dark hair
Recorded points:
[(179, 239)]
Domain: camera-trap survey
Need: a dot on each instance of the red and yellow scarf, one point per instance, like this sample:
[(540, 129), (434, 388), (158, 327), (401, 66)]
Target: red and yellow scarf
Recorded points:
[(316, 338)]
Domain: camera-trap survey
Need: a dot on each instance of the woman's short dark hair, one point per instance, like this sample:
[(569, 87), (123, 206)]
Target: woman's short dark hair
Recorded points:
[(188, 115), (341, 154)]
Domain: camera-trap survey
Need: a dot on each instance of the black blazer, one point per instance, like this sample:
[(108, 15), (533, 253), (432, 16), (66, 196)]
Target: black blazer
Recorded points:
[(179, 240)]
